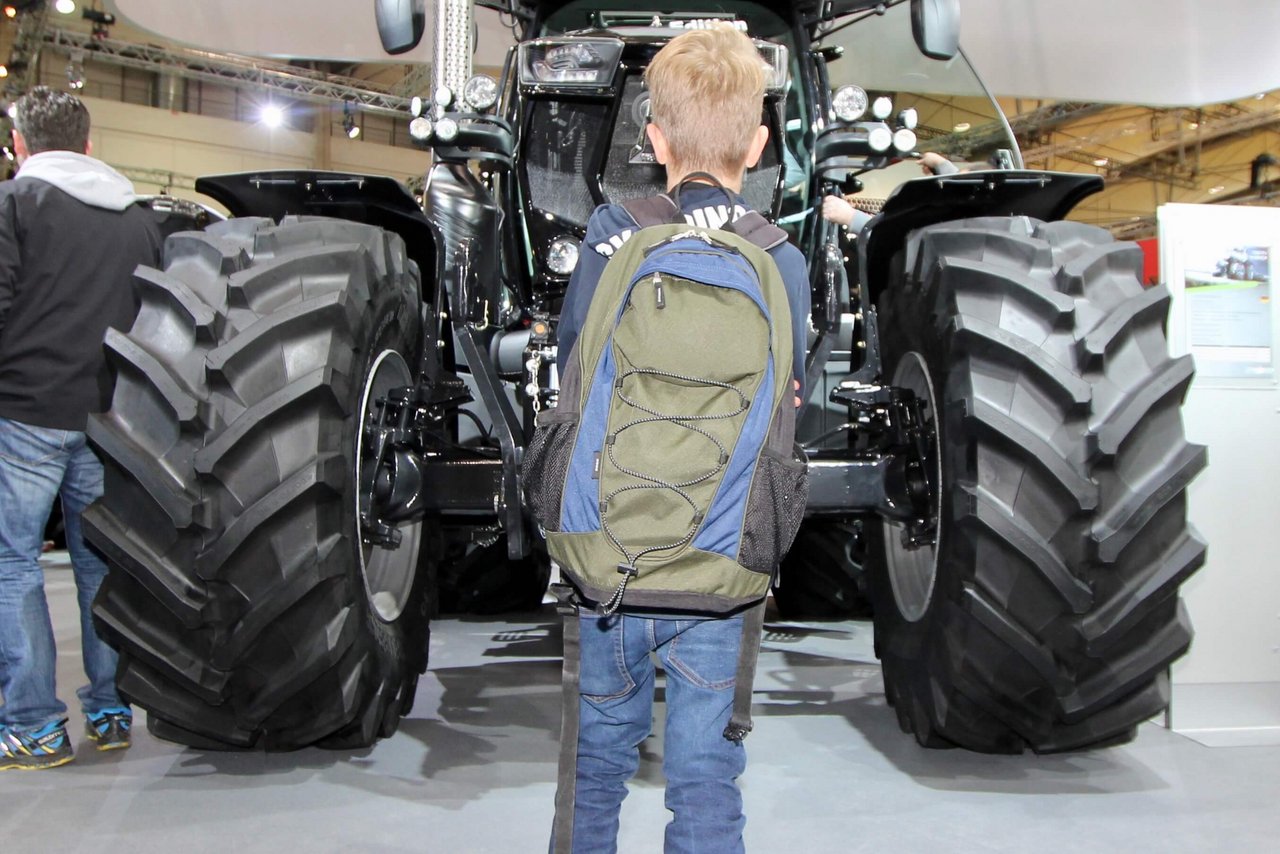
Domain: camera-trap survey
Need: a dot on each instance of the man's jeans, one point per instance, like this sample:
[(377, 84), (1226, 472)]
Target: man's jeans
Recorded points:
[(700, 658), (36, 465)]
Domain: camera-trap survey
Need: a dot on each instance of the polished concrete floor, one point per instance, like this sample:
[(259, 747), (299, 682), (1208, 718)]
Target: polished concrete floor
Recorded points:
[(473, 768)]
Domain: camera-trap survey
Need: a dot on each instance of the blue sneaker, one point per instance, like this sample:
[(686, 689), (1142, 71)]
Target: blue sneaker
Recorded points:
[(29, 750), (109, 728)]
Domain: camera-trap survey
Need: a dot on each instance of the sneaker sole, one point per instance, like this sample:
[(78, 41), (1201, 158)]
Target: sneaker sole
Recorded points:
[(54, 762), (118, 745)]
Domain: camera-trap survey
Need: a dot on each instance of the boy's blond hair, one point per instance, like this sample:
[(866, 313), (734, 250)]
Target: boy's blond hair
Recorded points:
[(707, 97)]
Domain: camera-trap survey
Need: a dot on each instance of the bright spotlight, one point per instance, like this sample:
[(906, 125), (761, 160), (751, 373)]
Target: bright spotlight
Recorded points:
[(75, 75), (349, 121), (272, 115), (65, 7)]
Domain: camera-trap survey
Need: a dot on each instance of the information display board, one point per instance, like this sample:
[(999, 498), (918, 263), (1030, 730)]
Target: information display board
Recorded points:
[(1217, 262)]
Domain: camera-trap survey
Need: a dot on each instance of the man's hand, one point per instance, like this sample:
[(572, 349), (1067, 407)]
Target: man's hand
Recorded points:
[(836, 209)]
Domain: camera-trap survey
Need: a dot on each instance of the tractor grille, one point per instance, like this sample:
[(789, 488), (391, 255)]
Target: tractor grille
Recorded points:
[(564, 142), (559, 148)]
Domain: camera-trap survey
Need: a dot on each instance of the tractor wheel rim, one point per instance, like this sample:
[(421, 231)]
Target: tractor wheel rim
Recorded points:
[(913, 572), (388, 573)]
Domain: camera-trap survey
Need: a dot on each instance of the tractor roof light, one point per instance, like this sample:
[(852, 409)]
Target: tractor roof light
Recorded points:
[(421, 129), (849, 103), (880, 138), (776, 66), (446, 129), (904, 139), (480, 92), (881, 107)]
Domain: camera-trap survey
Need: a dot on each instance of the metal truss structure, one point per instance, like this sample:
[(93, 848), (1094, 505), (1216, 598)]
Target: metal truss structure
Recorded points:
[(297, 83), (26, 48)]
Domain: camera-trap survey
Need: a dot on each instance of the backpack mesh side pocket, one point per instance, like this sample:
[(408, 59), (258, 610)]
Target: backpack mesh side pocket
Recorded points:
[(545, 466), (775, 507)]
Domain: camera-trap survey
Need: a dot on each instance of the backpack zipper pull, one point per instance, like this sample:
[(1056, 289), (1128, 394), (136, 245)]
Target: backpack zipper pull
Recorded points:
[(657, 290)]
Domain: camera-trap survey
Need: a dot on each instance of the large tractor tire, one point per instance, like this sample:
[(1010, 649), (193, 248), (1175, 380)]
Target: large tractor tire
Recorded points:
[(1046, 613), (822, 576), (247, 610)]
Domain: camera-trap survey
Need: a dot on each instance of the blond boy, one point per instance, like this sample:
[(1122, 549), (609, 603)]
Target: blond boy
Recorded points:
[(707, 89)]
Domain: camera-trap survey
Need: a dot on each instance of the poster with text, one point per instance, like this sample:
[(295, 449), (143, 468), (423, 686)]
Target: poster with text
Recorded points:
[(1217, 262)]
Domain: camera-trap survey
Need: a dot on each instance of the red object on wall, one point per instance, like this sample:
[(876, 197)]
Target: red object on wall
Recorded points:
[(1150, 261)]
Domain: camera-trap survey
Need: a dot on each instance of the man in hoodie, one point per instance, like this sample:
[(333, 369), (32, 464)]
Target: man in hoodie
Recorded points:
[(70, 238)]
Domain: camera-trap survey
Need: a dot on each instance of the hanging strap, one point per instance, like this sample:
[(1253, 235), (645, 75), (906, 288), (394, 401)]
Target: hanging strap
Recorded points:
[(653, 210), (754, 227), (748, 653), (567, 775), (663, 210)]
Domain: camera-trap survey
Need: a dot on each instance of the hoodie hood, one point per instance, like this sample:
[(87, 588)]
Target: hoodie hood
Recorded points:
[(81, 177)]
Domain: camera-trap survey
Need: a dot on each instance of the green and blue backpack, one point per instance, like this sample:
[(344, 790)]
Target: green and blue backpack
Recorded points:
[(666, 478)]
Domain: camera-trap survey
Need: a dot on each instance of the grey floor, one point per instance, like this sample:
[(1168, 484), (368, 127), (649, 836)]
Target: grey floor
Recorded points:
[(472, 770)]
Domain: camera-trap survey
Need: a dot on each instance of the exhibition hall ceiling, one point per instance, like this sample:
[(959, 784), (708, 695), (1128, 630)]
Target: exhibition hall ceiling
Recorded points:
[(1159, 52), (1068, 72)]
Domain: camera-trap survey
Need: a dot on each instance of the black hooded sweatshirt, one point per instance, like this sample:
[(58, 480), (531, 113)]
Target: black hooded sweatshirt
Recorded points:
[(71, 236)]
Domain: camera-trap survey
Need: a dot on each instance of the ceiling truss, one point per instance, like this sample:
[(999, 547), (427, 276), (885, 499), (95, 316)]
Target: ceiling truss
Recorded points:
[(288, 80)]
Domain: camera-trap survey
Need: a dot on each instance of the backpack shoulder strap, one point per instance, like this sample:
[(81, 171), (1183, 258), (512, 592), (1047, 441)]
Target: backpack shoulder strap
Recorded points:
[(653, 210), (754, 227), (662, 210)]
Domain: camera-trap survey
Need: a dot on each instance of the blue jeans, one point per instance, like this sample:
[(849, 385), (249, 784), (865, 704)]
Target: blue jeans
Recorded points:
[(37, 464), (700, 658)]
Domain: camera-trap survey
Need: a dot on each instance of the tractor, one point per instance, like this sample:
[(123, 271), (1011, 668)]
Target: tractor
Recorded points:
[(320, 413)]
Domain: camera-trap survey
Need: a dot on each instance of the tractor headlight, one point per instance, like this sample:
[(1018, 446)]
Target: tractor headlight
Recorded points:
[(446, 129), (882, 107), (562, 255), (421, 128), (481, 92), (849, 103), (909, 118), (880, 138), (775, 60), (415, 106), (904, 139), (569, 62)]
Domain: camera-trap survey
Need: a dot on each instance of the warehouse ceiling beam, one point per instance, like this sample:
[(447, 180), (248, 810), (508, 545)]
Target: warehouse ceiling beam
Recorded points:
[(1033, 122), (1170, 131), (298, 83)]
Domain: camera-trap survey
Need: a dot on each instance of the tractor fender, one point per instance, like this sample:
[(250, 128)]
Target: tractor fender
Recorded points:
[(1047, 196)]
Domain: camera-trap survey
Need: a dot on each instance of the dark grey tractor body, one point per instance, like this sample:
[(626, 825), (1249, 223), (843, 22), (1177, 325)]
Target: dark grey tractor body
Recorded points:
[(322, 409)]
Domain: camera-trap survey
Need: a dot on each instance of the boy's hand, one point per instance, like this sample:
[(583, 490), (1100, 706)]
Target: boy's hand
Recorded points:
[(797, 385)]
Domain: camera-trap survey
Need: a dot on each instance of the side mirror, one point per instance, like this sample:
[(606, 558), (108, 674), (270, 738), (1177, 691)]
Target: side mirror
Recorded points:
[(401, 23), (935, 25)]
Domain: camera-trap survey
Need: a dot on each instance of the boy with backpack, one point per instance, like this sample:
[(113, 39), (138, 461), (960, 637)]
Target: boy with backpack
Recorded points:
[(665, 479)]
